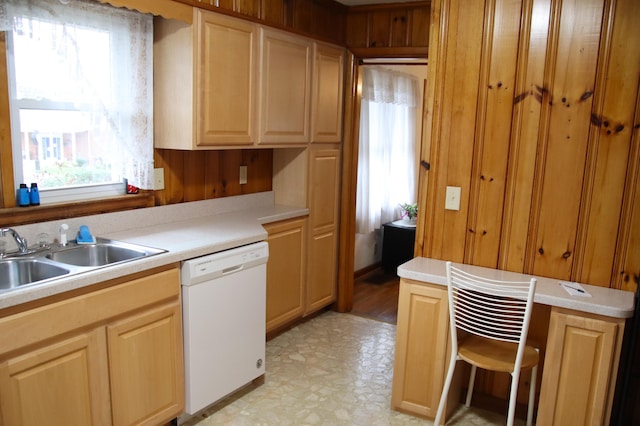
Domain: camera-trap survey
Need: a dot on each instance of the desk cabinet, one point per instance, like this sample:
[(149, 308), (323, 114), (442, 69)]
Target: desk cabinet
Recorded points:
[(579, 371), (421, 348), (581, 360)]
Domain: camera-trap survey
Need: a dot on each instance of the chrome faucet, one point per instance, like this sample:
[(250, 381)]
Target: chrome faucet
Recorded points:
[(20, 241)]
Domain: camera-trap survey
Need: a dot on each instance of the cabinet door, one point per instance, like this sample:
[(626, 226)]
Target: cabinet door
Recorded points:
[(146, 366), (324, 187), (579, 370), (379, 28), (419, 26), (65, 383), (399, 36), (421, 348), (285, 88), (285, 271), (225, 71), (321, 283), (326, 111)]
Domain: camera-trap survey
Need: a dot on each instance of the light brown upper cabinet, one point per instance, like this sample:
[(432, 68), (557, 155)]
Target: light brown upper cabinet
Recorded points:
[(225, 76), (225, 82), (326, 110), (204, 82), (285, 87)]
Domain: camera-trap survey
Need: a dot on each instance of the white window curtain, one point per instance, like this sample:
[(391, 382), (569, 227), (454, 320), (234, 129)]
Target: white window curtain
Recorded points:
[(386, 153), (128, 106)]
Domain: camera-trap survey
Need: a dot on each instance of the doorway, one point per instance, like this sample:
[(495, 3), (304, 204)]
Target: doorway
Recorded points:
[(374, 290)]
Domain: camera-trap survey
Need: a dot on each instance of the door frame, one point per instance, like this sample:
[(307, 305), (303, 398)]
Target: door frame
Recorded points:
[(349, 178)]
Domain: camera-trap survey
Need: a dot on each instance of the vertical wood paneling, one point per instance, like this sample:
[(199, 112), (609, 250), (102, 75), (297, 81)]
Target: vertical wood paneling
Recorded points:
[(248, 7), (379, 29), (529, 97), (419, 27), (610, 143), (627, 262), (194, 171), (573, 161), (212, 159), (432, 121), (202, 175), (571, 68), (259, 170), (493, 130), (173, 164), (455, 135), (273, 11)]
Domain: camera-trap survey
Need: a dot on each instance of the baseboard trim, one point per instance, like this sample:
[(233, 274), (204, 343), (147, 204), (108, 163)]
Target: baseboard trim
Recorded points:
[(360, 272)]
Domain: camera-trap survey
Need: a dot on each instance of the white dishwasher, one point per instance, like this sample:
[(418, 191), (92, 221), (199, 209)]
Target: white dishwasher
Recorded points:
[(224, 303)]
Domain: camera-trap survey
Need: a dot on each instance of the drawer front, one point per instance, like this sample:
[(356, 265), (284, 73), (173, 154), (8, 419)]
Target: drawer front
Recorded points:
[(48, 321)]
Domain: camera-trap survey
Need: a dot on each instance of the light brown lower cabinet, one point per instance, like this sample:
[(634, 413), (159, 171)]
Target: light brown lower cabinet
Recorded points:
[(109, 356), (285, 271), (579, 371), (421, 348), (581, 364)]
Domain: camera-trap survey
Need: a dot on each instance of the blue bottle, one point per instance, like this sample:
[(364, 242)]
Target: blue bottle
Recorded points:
[(34, 195), (23, 195)]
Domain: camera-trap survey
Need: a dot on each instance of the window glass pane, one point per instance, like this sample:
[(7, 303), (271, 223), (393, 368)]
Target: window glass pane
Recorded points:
[(63, 88)]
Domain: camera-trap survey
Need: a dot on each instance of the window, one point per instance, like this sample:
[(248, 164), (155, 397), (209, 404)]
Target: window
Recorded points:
[(81, 97), (387, 147)]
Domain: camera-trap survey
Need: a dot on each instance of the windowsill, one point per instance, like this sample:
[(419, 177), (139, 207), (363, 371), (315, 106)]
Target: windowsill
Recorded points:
[(25, 215)]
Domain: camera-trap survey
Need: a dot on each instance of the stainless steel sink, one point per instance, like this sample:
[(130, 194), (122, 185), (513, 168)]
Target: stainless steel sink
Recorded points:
[(44, 264), (18, 272), (100, 254)]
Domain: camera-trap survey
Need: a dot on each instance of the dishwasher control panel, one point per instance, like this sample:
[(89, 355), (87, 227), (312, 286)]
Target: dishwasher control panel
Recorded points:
[(223, 263)]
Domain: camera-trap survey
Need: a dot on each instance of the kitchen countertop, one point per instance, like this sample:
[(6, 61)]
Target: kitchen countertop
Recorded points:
[(185, 230), (603, 301)]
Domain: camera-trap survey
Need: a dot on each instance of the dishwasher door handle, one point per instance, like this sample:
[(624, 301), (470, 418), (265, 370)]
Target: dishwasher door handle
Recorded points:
[(232, 269)]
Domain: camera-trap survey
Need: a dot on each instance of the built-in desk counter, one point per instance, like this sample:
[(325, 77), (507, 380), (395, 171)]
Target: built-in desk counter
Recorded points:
[(580, 346)]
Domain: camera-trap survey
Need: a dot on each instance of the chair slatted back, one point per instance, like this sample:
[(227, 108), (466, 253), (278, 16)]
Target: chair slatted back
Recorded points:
[(492, 309)]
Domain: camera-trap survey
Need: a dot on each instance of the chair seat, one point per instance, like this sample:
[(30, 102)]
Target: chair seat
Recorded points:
[(494, 355)]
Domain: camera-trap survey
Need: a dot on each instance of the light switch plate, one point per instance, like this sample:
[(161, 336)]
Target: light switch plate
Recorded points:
[(452, 201), (158, 178), (243, 175)]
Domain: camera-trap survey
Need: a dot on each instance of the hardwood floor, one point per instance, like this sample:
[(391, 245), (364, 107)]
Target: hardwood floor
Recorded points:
[(375, 296)]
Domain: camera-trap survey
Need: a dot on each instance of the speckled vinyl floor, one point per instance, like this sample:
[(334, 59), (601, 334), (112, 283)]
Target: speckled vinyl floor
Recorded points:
[(335, 369)]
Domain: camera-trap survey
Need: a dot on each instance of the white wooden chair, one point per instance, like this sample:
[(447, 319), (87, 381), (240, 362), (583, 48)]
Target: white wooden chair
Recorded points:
[(489, 322)]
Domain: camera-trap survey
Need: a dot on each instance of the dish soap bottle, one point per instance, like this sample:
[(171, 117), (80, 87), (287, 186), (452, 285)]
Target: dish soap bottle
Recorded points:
[(34, 195)]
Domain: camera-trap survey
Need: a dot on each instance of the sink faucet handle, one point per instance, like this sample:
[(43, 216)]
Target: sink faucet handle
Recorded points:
[(63, 234), (20, 241)]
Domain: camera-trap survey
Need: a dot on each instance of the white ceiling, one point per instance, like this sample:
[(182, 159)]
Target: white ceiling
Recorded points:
[(362, 2)]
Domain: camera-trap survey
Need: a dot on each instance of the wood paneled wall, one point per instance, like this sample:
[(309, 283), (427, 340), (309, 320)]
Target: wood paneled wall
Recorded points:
[(533, 110), (202, 175)]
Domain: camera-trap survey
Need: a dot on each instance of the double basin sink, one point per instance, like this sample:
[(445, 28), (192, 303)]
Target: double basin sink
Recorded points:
[(56, 262)]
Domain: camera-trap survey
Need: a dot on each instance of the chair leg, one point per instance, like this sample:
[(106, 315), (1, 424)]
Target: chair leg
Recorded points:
[(513, 394), (445, 390), (472, 381), (532, 393)]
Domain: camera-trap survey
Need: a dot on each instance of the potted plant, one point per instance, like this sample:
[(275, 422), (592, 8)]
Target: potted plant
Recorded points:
[(409, 212)]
